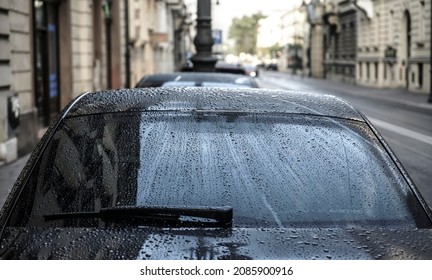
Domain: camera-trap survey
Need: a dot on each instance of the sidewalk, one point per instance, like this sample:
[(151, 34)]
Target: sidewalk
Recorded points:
[(397, 96), (10, 172), (8, 175)]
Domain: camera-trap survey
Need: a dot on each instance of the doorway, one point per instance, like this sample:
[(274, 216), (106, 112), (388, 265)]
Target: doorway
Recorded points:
[(46, 61), (406, 45)]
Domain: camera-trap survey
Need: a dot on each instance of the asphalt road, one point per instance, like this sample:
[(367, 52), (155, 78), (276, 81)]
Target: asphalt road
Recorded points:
[(407, 129)]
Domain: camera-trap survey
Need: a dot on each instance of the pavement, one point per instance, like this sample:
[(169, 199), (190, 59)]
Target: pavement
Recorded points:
[(401, 97), (8, 175)]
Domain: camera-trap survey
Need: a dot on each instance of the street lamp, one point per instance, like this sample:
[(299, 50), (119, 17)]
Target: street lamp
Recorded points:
[(127, 43), (203, 60), (107, 13)]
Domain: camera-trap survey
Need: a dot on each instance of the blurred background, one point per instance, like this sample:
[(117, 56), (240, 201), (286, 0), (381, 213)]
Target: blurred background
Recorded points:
[(375, 53)]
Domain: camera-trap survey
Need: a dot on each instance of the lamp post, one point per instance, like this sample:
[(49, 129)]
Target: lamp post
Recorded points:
[(106, 9), (203, 60), (127, 52)]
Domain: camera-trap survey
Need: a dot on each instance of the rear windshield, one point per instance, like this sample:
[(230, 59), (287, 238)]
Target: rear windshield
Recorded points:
[(274, 170)]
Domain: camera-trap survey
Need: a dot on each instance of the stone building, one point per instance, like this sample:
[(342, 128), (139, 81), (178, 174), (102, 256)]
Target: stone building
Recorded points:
[(394, 44), (300, 33), (52, 51), (378, 43), (294, 32), (17, 112), (314, 39), (340, 40), (158, 30)]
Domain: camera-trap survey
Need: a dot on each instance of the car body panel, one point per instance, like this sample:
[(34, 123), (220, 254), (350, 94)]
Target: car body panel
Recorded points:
[(216, 244), (222, 99)]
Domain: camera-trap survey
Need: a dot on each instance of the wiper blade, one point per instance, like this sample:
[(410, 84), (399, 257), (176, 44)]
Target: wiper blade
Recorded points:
[(222, 215)]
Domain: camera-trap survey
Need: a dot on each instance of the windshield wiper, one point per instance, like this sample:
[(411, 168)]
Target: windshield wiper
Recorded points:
[(218, 215)]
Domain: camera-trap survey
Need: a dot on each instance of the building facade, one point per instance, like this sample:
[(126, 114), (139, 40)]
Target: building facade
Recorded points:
[(294, 36), (52, 51), (394, 44), (378, 43), (340, 40), (314, 39), (158, 33), (17, 112), (300, 34)]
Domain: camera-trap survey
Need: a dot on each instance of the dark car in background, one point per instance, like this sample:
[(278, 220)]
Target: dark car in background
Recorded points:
[(213, 173), (198, 79), (251, 70), (272, 67), (221, 66)]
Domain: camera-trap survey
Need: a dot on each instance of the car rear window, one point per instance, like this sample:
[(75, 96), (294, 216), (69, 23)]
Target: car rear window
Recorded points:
[(274, 170)]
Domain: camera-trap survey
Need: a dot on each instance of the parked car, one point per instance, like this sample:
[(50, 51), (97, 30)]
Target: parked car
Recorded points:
[(221, 66), (272, 67), (251, 70), (213, 173), (201, 79)]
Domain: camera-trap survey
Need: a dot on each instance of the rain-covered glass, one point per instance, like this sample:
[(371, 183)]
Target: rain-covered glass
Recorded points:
[(273, 170)]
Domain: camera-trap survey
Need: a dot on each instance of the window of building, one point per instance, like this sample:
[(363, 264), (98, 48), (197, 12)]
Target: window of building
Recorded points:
[(420, 74), (367, 70), (360, 70), (423, 18), (46, 61), (137, 32), (385, 72), (376, 71)]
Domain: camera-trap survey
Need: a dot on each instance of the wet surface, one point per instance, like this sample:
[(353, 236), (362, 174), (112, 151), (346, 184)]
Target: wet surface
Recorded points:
[(201, 244), (396, 108), (201, 98)]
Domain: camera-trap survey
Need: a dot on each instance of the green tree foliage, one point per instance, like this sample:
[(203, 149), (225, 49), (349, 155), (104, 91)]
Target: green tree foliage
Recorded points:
[(244, 32)]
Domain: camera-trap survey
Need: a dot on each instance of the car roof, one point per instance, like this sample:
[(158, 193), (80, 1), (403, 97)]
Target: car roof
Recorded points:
[(248, 100), (157, 80)]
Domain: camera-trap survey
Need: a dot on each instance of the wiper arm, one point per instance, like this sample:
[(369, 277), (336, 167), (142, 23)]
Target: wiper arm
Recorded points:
[(220, 214)]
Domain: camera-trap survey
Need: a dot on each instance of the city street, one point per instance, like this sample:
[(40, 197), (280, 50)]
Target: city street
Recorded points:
[(216, 130), (404, 119)]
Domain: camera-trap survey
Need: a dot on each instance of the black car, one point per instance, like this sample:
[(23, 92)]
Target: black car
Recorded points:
[(272, 67), (221, 66), (198, 79), (213, 173)]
